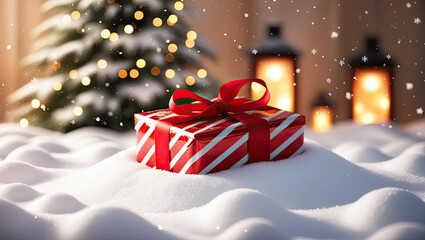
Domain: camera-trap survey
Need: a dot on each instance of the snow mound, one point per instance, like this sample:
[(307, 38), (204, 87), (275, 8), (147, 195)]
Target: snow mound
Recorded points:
[(94, 153), (10, 143), (360, 153), (401, 230), (252, 229), (16, 223), (34, 155), (49, 144), (18, 192), (22, 172), (57, 203), (110, 223), (382, 207)]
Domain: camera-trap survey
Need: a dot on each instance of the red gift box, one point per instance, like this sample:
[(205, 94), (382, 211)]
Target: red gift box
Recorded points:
[(211, 144)]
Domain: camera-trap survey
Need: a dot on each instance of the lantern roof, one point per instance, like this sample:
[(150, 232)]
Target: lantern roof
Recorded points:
[(322, 100), (274, 44), (371, 56)]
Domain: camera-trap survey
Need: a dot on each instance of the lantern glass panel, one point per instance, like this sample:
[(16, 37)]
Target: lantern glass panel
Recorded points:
[(322, 118), (371, 95), (278, 73)]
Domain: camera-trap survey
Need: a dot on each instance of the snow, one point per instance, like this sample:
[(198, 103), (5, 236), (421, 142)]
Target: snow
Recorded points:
[(353, 182)]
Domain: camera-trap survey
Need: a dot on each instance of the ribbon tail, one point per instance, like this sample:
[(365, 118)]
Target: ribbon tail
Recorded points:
[(258, 136), (162, 140)]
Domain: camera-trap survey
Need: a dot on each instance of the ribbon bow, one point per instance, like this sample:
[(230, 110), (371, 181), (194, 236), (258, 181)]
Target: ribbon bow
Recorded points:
[(226, 104)]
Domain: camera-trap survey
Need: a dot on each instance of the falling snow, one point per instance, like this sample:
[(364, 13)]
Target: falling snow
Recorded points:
[(408, 5), (388, 56), (364, 59), (348, 95), (254, 51), (328, 80), (8, 47), (246, 15), (419, 111), (239, 46), (334, 35), (409, 86), (341, 62), (417, 20), (313, 51)]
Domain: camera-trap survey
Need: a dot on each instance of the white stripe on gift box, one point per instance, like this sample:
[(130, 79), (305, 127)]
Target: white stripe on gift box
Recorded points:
[(148, 133), (243, 139), (287, 143), (172, 142), (141, 120), (298, 152), (186, 145), (216, 140)]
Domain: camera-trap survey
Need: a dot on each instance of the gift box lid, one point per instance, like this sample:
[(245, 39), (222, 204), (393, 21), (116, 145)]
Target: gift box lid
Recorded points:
[(206, 129)]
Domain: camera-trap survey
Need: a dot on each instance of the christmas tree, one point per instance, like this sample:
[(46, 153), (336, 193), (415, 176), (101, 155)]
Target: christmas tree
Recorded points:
[(105, 60)]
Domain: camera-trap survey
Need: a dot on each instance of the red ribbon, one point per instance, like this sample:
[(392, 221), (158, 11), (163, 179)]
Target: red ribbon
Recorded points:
[(226, 104)]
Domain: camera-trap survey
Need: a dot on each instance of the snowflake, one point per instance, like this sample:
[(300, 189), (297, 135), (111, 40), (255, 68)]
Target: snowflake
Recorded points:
[(388, 56), (417, 20), (225, 34), (254, 51), (73, 122), (334, 35), (313, 51), (328, 80), (409, 86), (43, 107), (121, 124), (364, 59), (341, 62), (348, 95), (97, 119), (419, 111), (408, 5), (239, 47), (246, 15)]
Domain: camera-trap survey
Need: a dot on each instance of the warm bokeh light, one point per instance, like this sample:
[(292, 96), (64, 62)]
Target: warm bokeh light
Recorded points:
[(322, 118), (122, 73), (129, 29), (78, 111), (190, 80), (75, 15), (157, 22), (192, 35), (172, 19), (85, 81), (57, 86), (169, 57), (202, 73), (190, 43), (172, 47), (113, 37), (35, 103), (56, 65), (138, 15), (24, 122), (278, 73), (371, 95), (170, 73), (155, 71), (73, 74), (141, 63), (134, 73), (102, 63), (178, 6), (105, 33)]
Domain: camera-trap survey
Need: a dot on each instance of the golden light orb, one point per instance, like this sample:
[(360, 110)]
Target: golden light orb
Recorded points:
[(155, 71), (129, 29), (73, 74), (57, 86), (35, 103), (169, 57), (138, 15), (134, 73), (157, 22), (110, 1), (170, 73), (78, 111), (190, 43), (178, 6), (192, 35), (141, 63), (114, 36), (24, 122), (56, 65), (173, 19), (202, 73), (172, 47), (190, 80), (75, 15), (102, 63), (85, 81), (122, 73), (105, 33)]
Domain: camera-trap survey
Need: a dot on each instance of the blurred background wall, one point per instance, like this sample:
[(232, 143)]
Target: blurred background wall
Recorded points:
[(308, 25)]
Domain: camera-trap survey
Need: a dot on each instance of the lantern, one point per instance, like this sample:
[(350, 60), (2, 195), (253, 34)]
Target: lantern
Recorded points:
[(371, 85), (275, 63), (322, 114)]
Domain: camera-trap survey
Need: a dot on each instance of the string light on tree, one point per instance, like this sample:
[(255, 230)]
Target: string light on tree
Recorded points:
[(85, 81), (190, 80), (78, 111), (56, 65), (75, 15), (128, 29), (178, 6), (134, 73), (113, 37), (122, 73), (169, 57), (157, 22), (192, 35), (141, 63), (105, 33), (170, 73), (24, 122), (155, 71), (202, 73), (138, 15), (57, 86), (35, 103), (172, 48), (102, 63), (172, 19), (73, 74), (190, 43)]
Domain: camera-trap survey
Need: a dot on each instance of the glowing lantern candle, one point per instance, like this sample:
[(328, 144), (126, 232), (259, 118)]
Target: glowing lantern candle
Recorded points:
[(275, 63), (322, 114), (372, 85)]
